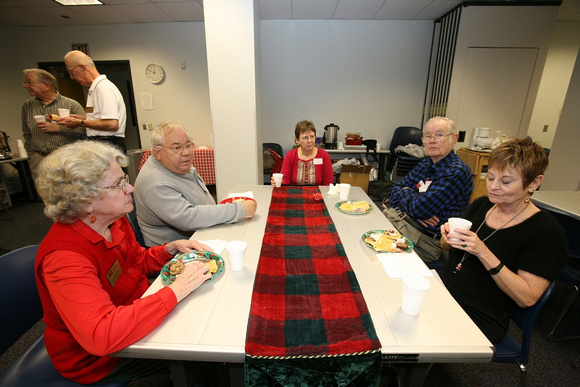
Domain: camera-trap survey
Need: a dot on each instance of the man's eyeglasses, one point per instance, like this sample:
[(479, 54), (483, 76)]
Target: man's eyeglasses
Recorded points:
[(438, 137), (179, 149), (122, 184), (73, 69), (28, 82)]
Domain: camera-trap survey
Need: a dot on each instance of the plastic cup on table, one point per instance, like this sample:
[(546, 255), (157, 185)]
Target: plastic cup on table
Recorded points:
[(458, 223), (344, 190), (236, 251), (63, 113), (414, 289), (278, 179)]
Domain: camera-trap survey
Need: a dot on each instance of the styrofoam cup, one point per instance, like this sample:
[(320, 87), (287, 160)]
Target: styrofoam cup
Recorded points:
[(414, 289), (236, 252), (40, 118), (63, 113), (278, 179), (458, 223), (378, 146), (344, 189)]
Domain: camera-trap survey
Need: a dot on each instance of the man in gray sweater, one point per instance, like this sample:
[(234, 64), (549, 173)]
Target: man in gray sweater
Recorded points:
[(172, 200)]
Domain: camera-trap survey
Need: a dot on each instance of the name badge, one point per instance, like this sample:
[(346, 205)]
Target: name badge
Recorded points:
[(89, 109), (114, 273), (317, 161)]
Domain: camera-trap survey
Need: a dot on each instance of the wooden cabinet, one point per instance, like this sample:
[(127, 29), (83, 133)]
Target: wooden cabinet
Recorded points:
[(477, 162)]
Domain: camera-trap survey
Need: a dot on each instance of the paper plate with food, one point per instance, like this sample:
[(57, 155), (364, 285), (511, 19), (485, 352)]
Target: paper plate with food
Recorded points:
[(387, 241), (236, 199), (356, 208), (175, 266)]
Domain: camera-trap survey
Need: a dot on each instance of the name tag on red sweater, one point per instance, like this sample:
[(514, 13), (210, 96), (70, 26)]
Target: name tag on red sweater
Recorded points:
[(317, 161), (114, 273)]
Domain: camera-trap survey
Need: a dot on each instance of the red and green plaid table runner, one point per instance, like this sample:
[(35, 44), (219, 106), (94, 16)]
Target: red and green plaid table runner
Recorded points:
[(309, 323)]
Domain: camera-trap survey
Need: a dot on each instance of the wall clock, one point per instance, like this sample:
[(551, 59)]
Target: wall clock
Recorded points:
[(154, 73)]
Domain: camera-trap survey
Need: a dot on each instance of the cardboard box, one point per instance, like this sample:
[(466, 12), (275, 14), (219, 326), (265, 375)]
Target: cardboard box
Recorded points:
[(356, 176)]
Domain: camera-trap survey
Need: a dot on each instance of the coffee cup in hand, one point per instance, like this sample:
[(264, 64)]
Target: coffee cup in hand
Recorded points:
[(456, 223)]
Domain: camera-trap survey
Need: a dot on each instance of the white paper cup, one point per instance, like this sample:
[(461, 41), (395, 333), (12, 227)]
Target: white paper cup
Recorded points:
[(340, 145), (458, 223), (378, 146), (236, 252), (414, 289), (63, 113), (344, 189), (278, 179), (40, 118)]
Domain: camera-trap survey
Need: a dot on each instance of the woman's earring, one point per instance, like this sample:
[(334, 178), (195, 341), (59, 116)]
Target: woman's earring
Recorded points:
[(93, 218)]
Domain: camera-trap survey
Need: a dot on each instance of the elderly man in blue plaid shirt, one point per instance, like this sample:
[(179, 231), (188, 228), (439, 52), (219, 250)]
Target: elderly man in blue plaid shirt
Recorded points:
[(438, 188)]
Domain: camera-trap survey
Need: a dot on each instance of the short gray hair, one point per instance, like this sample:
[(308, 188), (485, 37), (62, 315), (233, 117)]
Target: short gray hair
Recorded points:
[(165, 127), (42, 76), (450, 123), (77, 57), (67, 178)]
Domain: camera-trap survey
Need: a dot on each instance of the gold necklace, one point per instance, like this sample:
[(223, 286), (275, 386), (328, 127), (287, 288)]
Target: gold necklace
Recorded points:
[(460, 264)]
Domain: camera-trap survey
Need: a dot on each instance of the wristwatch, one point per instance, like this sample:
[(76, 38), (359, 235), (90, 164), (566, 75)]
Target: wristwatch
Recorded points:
[(496, 269), (82, 123)]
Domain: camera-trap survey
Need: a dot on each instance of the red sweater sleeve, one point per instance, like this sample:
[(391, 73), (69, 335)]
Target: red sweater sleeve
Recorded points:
[(86, 308)]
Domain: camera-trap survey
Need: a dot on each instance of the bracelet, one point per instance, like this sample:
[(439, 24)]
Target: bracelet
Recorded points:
[(496, 269)]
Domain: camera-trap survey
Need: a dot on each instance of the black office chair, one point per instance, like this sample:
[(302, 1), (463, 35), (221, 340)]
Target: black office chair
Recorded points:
[(273, 158), (508, 350), (132, 218), (571, 272), (22, 309), (403, 135)]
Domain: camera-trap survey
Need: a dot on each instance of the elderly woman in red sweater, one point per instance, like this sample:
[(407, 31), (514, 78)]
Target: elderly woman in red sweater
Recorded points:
[(306, 164), (91, 272)]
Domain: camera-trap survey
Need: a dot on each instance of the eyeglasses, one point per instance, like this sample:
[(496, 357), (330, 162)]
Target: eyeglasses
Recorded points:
[(27, 82), (122, 184), (179, 149), (73, 69), (438, 137)]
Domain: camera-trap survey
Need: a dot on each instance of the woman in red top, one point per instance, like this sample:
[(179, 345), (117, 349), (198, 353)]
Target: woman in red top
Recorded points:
[(306, 164), (91, 272)]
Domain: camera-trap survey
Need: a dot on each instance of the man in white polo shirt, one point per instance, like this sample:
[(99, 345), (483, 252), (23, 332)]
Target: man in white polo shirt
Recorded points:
[(105, 111)]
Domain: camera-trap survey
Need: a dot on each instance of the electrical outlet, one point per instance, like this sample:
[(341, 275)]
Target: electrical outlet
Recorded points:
[(144, 126), (149, 126)]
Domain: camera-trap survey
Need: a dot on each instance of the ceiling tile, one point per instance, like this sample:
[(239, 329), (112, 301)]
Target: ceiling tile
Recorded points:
[(357, 9), (280, 9), (308, 9), (143, 13), (183, 11), (105, 15)]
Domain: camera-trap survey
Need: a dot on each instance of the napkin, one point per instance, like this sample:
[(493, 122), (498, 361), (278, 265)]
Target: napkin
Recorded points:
[(248, 194), (217, 245), (399, 264), (332, 189)]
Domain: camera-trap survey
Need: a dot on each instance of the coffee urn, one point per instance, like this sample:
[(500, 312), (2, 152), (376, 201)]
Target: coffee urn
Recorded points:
[(330, 136)]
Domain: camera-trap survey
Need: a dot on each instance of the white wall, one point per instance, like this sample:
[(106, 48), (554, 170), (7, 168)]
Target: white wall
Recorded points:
[(182, 96), (564, 170), (510, 28), (364, 76), (555, 80)]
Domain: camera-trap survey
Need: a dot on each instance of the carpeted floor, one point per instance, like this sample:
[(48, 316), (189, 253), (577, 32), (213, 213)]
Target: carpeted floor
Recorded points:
[(551, 362)]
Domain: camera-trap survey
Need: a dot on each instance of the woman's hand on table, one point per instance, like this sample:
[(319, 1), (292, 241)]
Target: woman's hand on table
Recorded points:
[(250, 206), (185, 246), (192, 277)]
